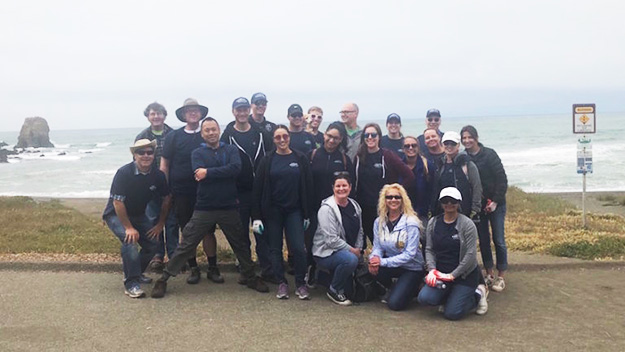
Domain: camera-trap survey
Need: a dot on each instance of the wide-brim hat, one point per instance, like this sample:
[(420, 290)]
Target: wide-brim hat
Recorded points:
[(190, 102), (143, 143)]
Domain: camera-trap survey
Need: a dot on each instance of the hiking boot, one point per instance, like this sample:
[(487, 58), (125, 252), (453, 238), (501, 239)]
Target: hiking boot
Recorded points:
[(159, 288), (144, 279), (489, 279), (310, 277), (270, 279), (214, 275), (194, 277), (283, 291), (499, 284), (338, 298), (134, 291), (482, 304), (302, 292), (156, 266), (256, 283)]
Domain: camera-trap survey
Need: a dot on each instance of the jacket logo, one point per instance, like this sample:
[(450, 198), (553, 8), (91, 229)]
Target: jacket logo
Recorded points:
[(377, 165), (339, 162), (152, 188), (268, 127), (293, 164)]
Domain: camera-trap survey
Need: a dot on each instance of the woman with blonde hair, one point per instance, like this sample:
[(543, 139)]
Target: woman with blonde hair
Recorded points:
[(395, 253)]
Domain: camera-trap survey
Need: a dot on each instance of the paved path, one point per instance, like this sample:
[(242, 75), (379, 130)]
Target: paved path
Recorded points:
[(555, 307)]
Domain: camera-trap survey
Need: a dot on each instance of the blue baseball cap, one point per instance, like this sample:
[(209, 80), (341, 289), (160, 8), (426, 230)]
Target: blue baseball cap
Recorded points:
[(394, 117), (240, 102), (433, 112), (259, 97)]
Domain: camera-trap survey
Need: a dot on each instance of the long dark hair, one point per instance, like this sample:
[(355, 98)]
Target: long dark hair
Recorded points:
[(362, 148), (339, 126), (472, 131)]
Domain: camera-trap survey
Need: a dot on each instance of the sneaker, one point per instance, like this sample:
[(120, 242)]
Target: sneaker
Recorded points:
[(195, 276), (283, 291), (498, 284), (134, 291), (270, 279), (159, 289), (242, 280), (441, 308), (144, 279), (302, 292), (310, 277), (482, 305), (214, 275), (156, 266), (256, 283), (338, 298), (489, 280)]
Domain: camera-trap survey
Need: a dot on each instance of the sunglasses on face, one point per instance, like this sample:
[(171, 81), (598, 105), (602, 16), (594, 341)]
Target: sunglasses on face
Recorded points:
[(144, 152), (411, 146), (371, 135), (448, 200), (396, 197), (281, 137), (297, 116), (341, 174), (316, 117), (450, 144), (435, 119), (260, 103)]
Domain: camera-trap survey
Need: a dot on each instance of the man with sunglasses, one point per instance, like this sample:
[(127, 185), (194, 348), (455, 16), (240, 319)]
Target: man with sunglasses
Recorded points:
[(432, 120), (349, 116), (258, 121), (301, 140), (134, 186), (394, 140)]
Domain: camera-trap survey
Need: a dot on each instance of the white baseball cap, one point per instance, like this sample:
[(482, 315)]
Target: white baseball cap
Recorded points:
[(451, 136), (452, 192)]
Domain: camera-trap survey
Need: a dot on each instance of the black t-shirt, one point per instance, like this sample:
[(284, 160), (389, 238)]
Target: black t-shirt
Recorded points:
[(177, 150), (247, 141), (284, 175), (302, 142), (446, 245), (351, 223), (135, 189), (318, 139), (395, 145), (370, 180)]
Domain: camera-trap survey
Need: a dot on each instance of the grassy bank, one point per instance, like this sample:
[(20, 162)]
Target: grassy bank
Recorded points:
[(535, 223)]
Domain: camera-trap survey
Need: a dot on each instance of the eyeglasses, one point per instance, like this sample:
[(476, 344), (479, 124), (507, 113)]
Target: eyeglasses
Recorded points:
[(393, 196), (435, 119), (341, 174), (297, 116), (448, 200), (371, 135), (411, 146), (450, 143), (144, 152), (316, 117), (260, 103), (345, 112), (280, 137), (334, 138)]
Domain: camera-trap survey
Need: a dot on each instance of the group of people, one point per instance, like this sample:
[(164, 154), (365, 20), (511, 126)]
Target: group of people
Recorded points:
[(420, 202)]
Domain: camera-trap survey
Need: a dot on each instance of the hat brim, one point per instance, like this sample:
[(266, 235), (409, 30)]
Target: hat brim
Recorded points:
[(180, 112), (152, 145)]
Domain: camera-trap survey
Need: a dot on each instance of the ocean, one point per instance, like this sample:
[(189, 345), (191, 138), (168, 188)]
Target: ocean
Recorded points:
[(538, 152)]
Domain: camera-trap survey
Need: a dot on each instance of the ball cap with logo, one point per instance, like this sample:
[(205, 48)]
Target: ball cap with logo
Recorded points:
[(393, 118), (190, 102), (433, 113), (240, 102), (295, 108), (259, 98)]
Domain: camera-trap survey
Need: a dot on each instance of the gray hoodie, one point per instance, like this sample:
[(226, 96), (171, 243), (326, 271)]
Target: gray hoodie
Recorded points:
[(468, 246), (330, 234)]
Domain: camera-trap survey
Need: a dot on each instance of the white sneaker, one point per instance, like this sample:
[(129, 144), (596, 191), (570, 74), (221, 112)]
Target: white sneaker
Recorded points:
[(489, 280), (482, 305), (134, 292), (499, 284)]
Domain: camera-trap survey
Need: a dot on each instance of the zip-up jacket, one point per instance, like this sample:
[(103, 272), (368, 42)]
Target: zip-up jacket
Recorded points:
[(218, 190), (492, 175), (398, 248), (249, 163), (330, 234), (393, 170), (467, 233)]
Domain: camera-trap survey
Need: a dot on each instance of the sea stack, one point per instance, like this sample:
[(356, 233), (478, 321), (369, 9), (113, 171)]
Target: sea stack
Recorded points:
[(34, 133)]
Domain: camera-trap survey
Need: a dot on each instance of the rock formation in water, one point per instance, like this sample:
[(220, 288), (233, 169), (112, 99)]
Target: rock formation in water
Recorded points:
[(34, 133), (4, 152)]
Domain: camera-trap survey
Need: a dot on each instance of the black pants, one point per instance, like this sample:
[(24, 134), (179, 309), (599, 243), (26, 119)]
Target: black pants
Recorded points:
[(369, 213), (200, 224)]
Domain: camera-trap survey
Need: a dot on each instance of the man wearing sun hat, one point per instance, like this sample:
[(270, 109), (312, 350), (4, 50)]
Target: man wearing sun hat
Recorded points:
[(134, 186), (176, 164)]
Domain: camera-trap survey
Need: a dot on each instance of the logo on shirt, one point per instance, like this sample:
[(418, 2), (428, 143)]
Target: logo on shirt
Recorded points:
[(455, 237), (338, 162), (293, 164), (307, 142), (152, 188), (268, 127), (377, 165)]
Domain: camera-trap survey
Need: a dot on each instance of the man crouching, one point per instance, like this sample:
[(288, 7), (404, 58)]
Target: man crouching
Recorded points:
[(134, 186), (216, 166)]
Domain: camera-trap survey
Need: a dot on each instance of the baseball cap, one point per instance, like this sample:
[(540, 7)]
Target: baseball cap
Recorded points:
[(240, 102), (392, 117), (295, 108), (451, 136), (433, 112), (258, 97), (452, 192)]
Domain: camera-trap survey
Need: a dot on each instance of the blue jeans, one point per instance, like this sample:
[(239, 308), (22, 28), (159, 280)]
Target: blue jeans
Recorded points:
[(458, 299), (262, 248), (405, 287), (342, 263), (170, 242), (496, 220), (134, 261), (291, 224)]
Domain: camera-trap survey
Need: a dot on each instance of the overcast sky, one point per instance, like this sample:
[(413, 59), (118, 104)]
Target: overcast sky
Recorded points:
[(84, 64)]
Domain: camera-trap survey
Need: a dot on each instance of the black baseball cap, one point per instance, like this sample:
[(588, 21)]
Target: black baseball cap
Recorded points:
[(259, 97), (295, 108), (433, 112), (392, 117), (240, 102)]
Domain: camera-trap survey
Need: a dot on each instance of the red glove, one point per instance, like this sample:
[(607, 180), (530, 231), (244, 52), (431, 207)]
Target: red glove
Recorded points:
[(444, 277), (430, 279)]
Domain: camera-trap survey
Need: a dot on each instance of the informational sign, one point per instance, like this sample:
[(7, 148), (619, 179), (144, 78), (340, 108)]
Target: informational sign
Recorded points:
[(584, 156), (584, 118)]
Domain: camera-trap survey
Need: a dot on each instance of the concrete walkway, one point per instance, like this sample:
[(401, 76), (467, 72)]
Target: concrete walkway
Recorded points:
[(549, 304)]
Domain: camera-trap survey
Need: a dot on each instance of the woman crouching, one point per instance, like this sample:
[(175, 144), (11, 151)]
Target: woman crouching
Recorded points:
[(451, 254), (395, 253)]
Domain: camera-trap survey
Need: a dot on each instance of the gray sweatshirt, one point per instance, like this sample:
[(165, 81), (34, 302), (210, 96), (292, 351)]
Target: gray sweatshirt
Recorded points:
[(330, 234), (468, 246)]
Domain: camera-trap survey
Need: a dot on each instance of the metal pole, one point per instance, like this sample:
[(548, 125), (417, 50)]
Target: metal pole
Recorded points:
[(584, 201)]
